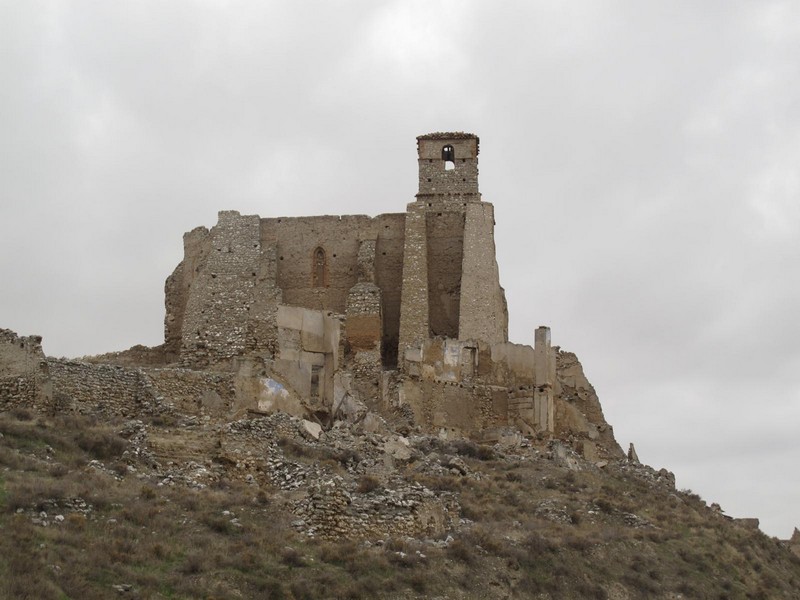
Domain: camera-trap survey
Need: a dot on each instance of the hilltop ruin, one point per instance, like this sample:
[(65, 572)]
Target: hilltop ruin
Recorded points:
[(330, 317)]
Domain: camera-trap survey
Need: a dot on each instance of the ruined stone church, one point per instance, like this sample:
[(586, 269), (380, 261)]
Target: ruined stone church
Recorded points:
[(312, 315), (408, 304)]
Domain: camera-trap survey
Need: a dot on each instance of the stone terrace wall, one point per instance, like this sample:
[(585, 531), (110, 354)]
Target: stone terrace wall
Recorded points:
[(115, 390), (100, 389), (193, 391), (17, 391)]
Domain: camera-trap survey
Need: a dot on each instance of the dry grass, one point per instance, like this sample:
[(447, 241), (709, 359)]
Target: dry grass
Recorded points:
[(535, 529)]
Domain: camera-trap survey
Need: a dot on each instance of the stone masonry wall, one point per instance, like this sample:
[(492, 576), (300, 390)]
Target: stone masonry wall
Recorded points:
[(483, 310), (100, 389), (414, 309), (297, 238), (23, 372), (389, 246), (196, 247), (215, 326), (192, 391), (222, 299), (123, 391), (434, 178), (444, 226)]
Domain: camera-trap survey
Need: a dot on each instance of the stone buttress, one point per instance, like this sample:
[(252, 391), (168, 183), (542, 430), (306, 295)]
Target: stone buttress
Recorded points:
[(451, 284)]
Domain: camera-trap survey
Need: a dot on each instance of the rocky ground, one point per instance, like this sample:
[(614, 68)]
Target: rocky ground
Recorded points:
[(274, 507)]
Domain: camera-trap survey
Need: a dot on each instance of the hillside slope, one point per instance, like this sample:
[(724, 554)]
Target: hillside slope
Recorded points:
[(269, 507)]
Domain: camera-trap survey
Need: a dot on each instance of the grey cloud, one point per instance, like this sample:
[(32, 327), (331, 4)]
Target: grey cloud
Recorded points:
[(642, 160)]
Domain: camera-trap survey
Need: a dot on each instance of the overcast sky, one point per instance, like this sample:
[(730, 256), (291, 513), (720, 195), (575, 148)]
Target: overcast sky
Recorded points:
[(643, 159)]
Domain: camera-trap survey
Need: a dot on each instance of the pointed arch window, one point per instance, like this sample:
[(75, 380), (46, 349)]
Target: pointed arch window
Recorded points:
[(449, 157), (319, 267)]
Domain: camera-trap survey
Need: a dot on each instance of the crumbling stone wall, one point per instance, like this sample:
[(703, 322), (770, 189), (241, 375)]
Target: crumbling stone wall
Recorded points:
[(364, 319), (196, 247), (464, 386), (458, 407), (23, 372), (219, 305), (100, 389), (341, 239), (469, 386), (330, 512), (136, 356), (194, 392), (577, 408), (286, 302), (222, 299)]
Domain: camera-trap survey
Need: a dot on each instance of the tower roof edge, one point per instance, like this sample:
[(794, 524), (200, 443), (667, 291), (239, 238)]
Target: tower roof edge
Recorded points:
[(450, 135)]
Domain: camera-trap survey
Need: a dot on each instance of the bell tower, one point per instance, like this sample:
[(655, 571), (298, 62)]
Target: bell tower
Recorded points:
[(448, 165), (450, 280)]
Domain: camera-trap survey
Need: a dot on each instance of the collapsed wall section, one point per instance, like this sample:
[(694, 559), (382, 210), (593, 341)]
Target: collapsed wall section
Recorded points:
[(231, 295), (215, 320), (24, 380), (577, 409), (177, 288)]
